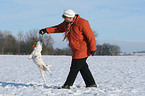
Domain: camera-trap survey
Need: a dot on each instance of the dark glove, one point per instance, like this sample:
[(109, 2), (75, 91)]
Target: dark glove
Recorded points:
[(92, 52), (42, 31)]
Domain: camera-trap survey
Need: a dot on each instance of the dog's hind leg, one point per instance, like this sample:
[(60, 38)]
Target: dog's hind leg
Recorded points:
[(47, 67), (42, 73)]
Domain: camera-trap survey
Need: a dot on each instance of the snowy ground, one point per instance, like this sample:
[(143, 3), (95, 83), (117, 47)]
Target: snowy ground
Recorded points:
[(115, 76)]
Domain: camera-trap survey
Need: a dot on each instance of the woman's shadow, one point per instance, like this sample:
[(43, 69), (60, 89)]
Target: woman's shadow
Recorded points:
[(4, 84)]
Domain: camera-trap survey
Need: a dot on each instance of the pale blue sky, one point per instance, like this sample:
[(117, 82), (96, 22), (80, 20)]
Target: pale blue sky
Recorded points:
[(112, 19)]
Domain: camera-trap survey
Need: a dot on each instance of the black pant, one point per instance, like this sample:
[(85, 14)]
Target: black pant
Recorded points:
[(76, 66)]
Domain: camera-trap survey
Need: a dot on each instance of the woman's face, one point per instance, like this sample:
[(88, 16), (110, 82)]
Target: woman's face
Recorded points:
[(68, 19)]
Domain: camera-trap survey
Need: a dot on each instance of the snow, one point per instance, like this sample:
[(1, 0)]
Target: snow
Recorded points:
[(115, 76)]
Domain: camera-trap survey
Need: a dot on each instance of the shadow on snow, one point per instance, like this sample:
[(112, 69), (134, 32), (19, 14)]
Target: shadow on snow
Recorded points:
[(4, 84)]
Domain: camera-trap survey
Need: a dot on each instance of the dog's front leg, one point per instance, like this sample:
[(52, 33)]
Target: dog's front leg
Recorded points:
[(30, 56), (42, 73)]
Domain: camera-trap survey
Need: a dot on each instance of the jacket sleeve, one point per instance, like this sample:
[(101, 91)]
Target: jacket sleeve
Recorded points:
[(87, 31), (56, 29)]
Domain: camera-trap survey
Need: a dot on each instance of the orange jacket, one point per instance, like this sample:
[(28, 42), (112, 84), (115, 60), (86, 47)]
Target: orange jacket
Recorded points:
[(81, 37)]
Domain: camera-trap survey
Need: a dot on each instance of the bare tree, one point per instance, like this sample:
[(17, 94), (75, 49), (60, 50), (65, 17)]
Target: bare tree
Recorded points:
[(1, 42), (48, 45), (107, 49), (20, 37), (95, 33), (10, 44), (30, 38), (115, 49)]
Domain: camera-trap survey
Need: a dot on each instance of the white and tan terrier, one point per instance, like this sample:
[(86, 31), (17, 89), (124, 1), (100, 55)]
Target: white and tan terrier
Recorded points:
[(37, 58)]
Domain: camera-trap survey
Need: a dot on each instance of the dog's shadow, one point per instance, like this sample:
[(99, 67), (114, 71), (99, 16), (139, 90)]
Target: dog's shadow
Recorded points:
[(4, 84)]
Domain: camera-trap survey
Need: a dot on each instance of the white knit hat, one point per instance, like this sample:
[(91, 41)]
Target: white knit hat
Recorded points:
[(69, 13)]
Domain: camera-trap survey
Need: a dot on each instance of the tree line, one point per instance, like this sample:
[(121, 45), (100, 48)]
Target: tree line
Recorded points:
[(108, 49), (21, 44)]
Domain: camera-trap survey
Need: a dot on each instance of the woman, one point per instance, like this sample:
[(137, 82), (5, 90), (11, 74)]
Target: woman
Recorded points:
[(82, 43)]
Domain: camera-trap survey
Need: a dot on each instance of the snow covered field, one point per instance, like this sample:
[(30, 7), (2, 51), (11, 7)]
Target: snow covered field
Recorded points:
[(115, 76)]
